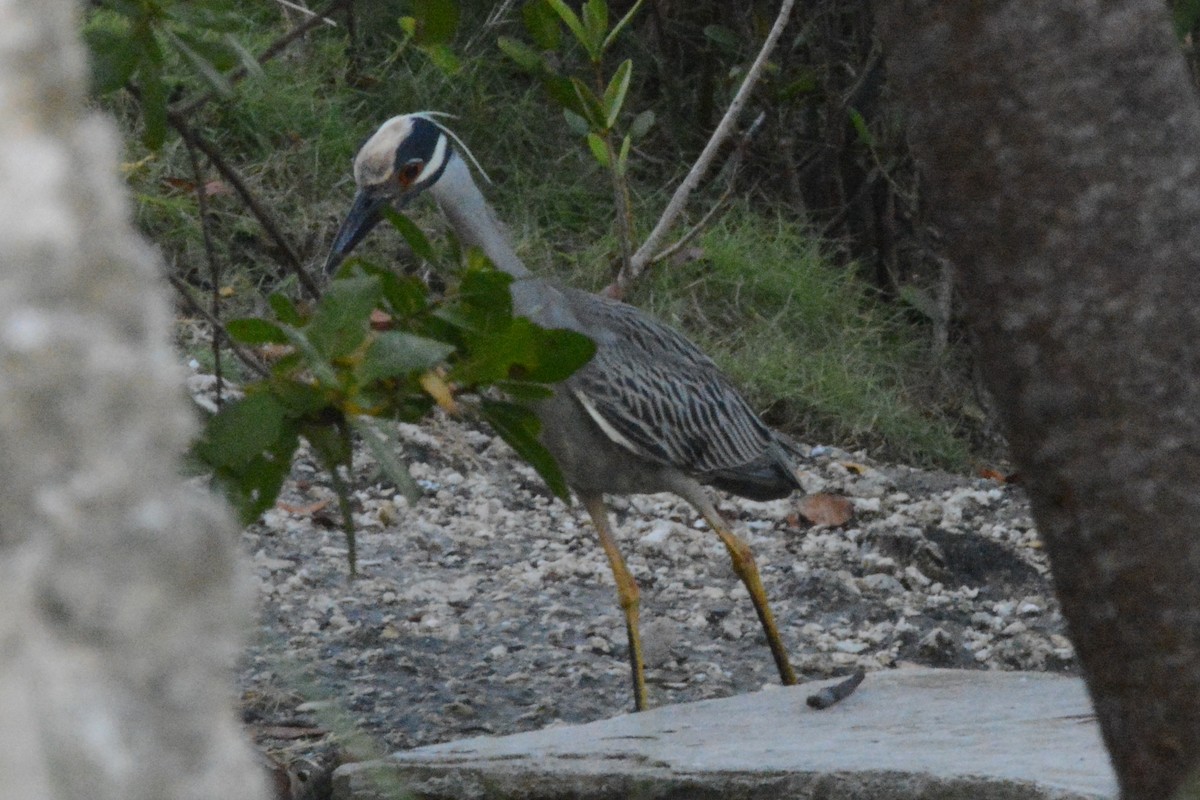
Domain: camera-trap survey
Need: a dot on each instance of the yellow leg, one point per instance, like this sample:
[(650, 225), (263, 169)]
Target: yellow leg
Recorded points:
[(627, 594), (747, 570)]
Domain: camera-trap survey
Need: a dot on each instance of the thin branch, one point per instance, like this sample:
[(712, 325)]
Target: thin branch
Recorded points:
[(308, 12), (188, 107), (250, 361), (735, 161), (691, 234), (643, 257), (210, 255), (291, 259)]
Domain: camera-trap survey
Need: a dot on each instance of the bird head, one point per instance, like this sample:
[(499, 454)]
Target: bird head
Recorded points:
[(406, 156)]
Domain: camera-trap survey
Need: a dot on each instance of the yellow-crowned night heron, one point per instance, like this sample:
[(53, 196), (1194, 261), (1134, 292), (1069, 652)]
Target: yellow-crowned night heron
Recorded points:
[(649, 413)]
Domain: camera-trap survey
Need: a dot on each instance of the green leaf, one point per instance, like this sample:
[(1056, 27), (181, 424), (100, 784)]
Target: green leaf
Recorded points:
[(301, 399), (241, 430), (592, 109), (343, 317), (614, 95), (558, 354), (285, 309), (806, 82), (526, 392), (623, 156), (396, 353), (331, 442), (313, 359), (519, 427), (577, 124), (562, 91), (384, 447), (413, 235), (256, 331), (254, 487), (860, 127), (641, 124), (114, 58), (216, 51), (406, 296), (206, 69), (484, 299), (599, 150), (521, 54), (437, 21), (723, 38), (542, 24), (443, 58), (595, 23), (612, 35), (569, 19), (153, 102)]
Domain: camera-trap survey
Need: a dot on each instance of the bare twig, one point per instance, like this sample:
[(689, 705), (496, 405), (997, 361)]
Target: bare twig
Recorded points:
[(494, 19), (644, 255), (188, 107), (691, 234), (291, 260), (735, 161), (308, 12), (243, 355), (214, 266), (836, 693)]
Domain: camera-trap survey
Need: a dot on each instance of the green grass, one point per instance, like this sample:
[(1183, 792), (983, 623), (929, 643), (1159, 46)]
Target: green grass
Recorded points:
[(804, 339)]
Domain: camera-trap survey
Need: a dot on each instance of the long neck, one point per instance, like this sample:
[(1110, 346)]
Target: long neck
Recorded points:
[(476, 225), (473, 219)]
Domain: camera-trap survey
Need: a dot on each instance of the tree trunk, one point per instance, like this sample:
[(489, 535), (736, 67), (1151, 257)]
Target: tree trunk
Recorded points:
[(1062, 143), (118, 614)]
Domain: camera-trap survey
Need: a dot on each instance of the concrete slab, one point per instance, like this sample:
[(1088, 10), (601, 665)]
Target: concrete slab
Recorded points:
[(908, 733)]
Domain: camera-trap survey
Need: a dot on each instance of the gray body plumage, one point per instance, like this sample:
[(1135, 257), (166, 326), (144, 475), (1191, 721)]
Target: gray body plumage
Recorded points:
[(649, 413), (652, 402), (670, 406)]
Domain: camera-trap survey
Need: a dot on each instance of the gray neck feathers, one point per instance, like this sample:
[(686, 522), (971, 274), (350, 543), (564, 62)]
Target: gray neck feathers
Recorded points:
[(477, 226), (473, 219)]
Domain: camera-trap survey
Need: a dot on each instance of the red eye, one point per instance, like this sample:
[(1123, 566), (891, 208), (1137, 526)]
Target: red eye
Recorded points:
[(409, 172)]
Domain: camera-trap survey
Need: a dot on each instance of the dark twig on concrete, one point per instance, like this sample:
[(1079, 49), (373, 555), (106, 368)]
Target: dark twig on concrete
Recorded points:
[(836, 693)]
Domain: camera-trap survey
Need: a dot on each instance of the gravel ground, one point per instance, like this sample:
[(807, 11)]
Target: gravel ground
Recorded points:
[(489, 608)]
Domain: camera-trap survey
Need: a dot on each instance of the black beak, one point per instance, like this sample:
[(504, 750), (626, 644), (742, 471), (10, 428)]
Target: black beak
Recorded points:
[(364, 215)]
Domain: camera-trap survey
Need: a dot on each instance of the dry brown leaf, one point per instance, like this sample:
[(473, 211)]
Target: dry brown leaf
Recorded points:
[(996, 475), (826, 509), (855, 467)]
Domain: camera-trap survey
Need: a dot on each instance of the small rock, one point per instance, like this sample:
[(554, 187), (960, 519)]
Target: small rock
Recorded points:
[(882, 582), (938, 646)]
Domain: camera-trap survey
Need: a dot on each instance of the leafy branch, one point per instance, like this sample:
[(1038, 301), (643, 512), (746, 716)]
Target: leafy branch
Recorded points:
[(376, 346), (596, 110)]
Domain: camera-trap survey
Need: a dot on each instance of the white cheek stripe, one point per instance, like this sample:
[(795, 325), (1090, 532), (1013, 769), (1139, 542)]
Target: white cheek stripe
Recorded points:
[(435, 161)]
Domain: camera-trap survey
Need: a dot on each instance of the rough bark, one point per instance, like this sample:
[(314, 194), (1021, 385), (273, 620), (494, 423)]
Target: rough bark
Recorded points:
[(1061, 140), (118, 608)]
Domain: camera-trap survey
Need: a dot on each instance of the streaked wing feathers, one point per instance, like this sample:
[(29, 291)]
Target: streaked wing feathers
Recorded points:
[(661, 394)]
